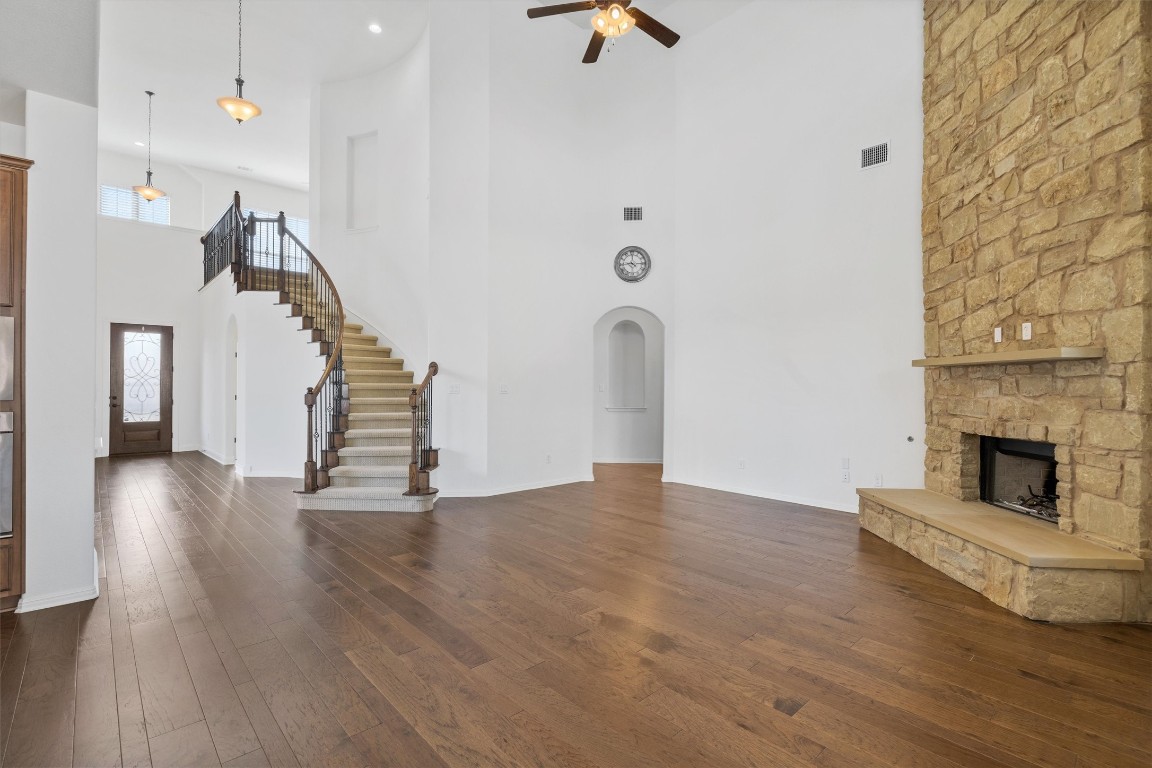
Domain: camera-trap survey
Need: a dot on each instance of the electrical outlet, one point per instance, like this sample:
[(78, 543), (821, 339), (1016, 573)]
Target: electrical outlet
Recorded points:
[(845, 476), (997, 334), (741, 464), (547, 458), (1026, 332), (503, 389), (453, 389), (878, 481)]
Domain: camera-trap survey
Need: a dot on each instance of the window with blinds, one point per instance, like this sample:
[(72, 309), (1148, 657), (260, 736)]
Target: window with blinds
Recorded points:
[(123, 203)]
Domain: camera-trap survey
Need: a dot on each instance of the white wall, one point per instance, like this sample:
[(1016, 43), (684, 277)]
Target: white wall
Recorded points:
[(798, 287), (381, 271), (571, 144), (149, 274), (273, 369), (12, 140), (197, 196), (634, 434), (60, 357), (185, 193)]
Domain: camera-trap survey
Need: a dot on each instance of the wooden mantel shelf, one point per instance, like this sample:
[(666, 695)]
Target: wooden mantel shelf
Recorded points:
[(1014, 356)]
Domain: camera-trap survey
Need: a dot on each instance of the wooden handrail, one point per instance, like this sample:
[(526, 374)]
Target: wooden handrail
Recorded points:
[(433, 369), (339, 305)]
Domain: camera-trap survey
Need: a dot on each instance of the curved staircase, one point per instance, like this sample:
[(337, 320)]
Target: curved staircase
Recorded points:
[(368, 422), (372, 475)]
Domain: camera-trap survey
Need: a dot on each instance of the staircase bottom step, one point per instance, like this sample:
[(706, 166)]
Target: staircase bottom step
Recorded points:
[(364, 500)]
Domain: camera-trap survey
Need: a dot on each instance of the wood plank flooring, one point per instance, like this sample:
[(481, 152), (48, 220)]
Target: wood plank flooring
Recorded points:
[(617, 623)]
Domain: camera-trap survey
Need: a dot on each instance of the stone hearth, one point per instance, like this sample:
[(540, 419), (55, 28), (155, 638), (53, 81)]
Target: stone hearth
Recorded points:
[(1037, 192)]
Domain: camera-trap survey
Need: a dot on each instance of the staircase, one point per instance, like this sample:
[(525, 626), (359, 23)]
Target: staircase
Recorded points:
[(369, 424), (372, 475)]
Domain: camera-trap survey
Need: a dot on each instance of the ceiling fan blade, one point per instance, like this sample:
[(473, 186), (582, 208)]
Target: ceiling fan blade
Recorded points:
[(661, 33), (594, 48), (554, 10)]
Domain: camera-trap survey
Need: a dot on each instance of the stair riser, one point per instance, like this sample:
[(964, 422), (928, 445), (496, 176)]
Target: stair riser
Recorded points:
[(409, 504), (369, 482), (387, 389), (378, 442), (383, 422), (374, 352), (384, 365), (374, 461), (377, 408), (378, 377)]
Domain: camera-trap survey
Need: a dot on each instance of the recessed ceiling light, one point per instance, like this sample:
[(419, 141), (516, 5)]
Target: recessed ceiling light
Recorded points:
[(375, 28), (138, 143)]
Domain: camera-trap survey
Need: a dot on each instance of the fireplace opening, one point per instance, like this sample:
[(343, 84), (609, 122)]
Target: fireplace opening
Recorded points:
[(1019, 475)]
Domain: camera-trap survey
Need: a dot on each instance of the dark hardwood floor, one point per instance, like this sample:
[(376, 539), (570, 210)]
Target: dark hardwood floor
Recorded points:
[(617, 623)]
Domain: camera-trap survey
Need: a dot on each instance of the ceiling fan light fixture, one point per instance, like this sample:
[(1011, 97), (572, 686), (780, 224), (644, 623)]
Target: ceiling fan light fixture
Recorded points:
[(239, 108), (613, 22)]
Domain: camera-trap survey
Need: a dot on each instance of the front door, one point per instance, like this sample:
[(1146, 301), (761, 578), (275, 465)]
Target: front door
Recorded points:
[(140, 405)]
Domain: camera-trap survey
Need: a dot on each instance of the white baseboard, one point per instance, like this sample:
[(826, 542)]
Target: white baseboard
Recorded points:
[(291, 474), (460, 494), (627, 461), (30, 602), (216, 457)]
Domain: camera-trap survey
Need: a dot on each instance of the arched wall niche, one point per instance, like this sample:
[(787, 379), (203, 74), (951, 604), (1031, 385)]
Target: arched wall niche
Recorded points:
[(628, 403)]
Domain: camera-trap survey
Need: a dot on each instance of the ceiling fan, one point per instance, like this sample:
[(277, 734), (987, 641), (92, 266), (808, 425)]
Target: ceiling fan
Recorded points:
[(614, 18)]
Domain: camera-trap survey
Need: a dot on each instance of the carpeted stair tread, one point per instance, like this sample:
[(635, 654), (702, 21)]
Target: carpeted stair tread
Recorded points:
[(381, 471), (376, 451), (365, 434)]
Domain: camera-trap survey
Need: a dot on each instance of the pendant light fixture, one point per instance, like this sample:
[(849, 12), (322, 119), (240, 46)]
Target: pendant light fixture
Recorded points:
[(237, 106), (147, 191)]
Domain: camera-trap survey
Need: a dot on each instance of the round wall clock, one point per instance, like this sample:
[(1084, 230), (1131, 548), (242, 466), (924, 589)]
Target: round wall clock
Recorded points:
[(633, 264)]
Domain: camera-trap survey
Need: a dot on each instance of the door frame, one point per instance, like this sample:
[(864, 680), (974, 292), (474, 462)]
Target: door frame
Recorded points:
[(117, 446)]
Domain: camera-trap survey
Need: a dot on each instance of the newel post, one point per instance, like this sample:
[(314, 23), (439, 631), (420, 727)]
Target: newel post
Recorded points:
[(310, 464)]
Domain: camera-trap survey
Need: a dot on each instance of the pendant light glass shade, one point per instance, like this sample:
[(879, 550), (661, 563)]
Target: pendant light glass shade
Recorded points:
[(146, 190), (238, 107)]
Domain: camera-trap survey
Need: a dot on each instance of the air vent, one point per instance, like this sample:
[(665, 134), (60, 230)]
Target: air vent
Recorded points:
[(634, 214), (870, 156)]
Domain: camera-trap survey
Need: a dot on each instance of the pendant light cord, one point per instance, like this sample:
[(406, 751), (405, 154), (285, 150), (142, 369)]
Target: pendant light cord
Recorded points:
[(150, 95), (240, 40)]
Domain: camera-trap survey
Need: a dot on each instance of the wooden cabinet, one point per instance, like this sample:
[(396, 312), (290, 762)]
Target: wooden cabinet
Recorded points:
[(13, 227)]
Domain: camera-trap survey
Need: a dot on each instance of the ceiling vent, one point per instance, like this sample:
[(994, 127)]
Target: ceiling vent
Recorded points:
[(870, 156), (633, 214)]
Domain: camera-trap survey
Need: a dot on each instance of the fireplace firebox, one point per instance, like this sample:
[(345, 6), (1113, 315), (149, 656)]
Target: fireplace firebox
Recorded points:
[(1019, 475)]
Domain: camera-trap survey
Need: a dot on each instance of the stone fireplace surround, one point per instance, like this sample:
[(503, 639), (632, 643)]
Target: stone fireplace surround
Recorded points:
[(1036, 208)]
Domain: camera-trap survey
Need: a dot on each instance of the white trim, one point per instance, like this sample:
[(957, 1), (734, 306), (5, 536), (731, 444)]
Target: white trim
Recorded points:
[(287, 474), (629, 409), (216, 457), (459, 494), (52, 600)]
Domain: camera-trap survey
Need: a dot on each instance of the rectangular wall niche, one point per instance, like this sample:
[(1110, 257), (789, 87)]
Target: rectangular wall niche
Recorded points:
[(363, 181), (1019, 475)]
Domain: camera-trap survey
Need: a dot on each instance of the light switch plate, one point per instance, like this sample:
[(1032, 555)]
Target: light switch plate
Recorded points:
[(997, 334), (1026, 332)]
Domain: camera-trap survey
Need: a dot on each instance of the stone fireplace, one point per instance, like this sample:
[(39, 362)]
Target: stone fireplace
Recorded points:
[(1037, 191)]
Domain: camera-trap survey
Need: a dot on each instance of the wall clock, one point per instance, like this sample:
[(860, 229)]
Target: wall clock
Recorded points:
[(633, 264)]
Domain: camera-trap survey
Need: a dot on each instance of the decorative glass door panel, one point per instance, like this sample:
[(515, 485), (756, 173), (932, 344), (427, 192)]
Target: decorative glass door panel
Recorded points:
[(140, 406)]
